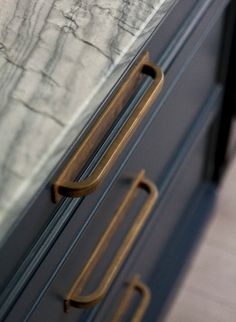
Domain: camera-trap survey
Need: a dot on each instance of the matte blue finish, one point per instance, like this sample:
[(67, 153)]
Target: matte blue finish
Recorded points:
[(171, 144), (182, 184)]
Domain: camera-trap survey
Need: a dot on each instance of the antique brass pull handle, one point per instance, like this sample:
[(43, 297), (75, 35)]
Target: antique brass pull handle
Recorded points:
[(74, 298), (134, 285), (64, 185)]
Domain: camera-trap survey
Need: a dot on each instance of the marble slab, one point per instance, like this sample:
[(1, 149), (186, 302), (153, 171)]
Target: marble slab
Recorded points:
[(58, 60)]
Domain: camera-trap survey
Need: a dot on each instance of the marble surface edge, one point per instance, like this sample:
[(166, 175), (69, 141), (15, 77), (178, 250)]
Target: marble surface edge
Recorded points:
[(58, 60)]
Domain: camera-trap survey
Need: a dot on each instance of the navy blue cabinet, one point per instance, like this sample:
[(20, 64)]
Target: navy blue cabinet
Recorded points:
[(134, 232)]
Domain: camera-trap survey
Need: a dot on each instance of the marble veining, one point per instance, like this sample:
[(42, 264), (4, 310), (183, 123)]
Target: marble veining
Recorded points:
[(58, 60)]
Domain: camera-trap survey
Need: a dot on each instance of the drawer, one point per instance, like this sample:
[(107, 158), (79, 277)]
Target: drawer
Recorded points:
[(188, 84), (108, 259), (176, 206)]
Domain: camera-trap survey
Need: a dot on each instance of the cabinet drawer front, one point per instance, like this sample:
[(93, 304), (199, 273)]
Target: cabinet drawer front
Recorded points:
[(176, 203), (188, 84)]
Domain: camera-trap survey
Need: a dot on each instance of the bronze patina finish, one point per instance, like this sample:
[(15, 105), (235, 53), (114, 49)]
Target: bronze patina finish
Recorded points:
[(134, 285), (64, 185), (74, 297)]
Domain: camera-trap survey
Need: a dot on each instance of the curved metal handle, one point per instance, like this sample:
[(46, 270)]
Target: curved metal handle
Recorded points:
[(134, 285), (74, 298), (64, 185)]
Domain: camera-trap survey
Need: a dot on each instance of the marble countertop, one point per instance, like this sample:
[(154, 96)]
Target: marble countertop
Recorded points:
[(58, 60)]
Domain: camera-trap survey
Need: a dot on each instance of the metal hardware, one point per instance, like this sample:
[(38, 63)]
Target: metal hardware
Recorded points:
[(74, 298), (64, 185), (134, 285)]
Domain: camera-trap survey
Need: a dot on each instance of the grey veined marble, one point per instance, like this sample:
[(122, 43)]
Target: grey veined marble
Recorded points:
[(58, 59)]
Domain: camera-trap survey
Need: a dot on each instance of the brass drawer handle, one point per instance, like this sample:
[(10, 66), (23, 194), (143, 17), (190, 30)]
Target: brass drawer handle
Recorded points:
[(134, 285), (64, 185), (74, 298)]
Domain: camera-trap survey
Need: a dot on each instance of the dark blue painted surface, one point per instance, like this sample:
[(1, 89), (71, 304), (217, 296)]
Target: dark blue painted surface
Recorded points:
[(64, 237), (183, 181)]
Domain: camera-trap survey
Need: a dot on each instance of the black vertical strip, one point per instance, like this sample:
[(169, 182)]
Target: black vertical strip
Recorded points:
[(228, 72)]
